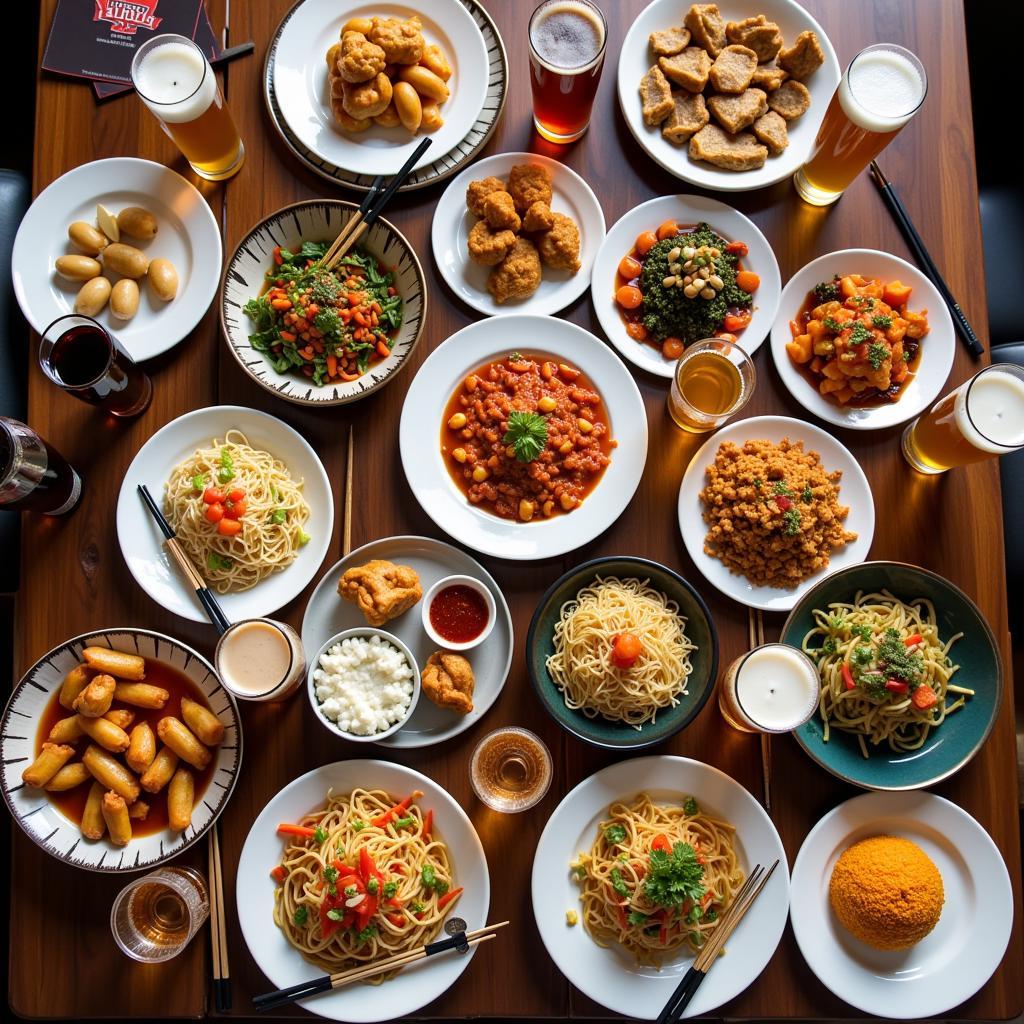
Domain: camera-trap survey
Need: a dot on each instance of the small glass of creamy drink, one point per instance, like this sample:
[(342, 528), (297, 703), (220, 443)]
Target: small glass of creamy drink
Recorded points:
[(260, 660), (773, 688)]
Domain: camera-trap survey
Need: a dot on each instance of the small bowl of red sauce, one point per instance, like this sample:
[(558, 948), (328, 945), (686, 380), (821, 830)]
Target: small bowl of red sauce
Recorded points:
[(458, 613)]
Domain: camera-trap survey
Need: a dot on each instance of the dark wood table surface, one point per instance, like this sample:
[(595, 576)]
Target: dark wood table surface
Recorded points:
[(63, 960)]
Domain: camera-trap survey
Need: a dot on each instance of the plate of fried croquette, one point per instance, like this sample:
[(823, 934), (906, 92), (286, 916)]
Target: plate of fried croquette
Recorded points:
[(517, 233)]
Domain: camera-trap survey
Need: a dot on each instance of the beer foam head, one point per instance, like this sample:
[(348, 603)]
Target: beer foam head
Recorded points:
[(989, 410), (882, 88), (567, 35), (172, 76)]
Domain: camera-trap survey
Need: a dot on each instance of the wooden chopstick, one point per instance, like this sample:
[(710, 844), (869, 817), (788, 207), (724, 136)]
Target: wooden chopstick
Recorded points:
[(354, 221), (218, 930), (280, 997), (346, 529), (924, 259), (755, 637)]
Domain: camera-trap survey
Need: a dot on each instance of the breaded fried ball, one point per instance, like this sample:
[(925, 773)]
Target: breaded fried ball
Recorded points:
[(448, 681), (537, 217), (360, 60), (400, 39), (478, 191), (529, 184), (559, 247), (368, 99), (345, 120), (517, 276), (500, 211), (488, 247)]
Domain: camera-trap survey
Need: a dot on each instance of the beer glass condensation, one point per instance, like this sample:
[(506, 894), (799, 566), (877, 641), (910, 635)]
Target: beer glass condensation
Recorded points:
[(881, 90), (982, 419), (174, 79)]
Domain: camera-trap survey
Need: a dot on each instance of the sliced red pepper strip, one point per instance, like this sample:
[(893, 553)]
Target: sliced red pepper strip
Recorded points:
[(661, 843), (916, 638), (848, 681), (303, 831), (382, 819), (896, 686), (396, 919), (428, 824), (448, 897)]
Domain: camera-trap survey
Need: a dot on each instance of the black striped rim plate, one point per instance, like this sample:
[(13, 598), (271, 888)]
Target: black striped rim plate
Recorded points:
[(31, 808), (448, 163), (318, 220)]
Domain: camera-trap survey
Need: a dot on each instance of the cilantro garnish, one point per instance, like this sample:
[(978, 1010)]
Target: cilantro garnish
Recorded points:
[(673, 878), (792, 521), (615, 834), (527, 433), (882, 321)]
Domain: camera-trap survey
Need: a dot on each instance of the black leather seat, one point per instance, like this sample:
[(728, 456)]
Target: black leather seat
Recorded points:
[(1011, 472)]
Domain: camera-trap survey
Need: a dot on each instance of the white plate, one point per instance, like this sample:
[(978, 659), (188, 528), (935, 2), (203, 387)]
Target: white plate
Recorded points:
[(43, 823), (142, 542), (188, 236), (610, 976), (327, 614), (284, 965), (428, 476), (947, 966), (937, 347), (449, 235), (636, 59), (687, 211), (302, 91), (854, 491)]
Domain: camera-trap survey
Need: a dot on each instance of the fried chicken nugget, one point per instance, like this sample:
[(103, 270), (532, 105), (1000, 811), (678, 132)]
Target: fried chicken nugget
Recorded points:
[(359, 60), (345, 120), (518, 274), (382, 590), (400, 39), (367, 99), (529, 184), (448, 681), (488, 247), (559, 246), (500, 211), (479, 190), (537, 217)]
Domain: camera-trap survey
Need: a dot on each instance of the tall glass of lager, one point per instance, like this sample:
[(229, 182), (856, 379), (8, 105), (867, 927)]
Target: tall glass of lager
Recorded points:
[(983, 418), (176, 82), (880, 92)]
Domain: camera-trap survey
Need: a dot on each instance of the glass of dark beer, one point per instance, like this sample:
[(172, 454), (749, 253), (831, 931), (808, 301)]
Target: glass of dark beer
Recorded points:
[(34, 476), (80, 357), (567, 44)]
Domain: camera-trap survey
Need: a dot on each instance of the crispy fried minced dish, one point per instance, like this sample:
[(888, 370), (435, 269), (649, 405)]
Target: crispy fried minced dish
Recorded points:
[(773, 512), (382, 590), (887, 892), (448, 681)]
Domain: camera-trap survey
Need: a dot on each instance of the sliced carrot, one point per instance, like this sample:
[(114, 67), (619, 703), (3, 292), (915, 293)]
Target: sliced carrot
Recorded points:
[(303, 831), (278, 873), (748, 280), (448, 897)]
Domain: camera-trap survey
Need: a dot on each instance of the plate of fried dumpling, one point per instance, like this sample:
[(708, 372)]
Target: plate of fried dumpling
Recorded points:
[(382, 585), (728, 96)]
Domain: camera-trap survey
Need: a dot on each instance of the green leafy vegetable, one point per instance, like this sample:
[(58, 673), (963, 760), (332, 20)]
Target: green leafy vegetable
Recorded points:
[(199, 482), (618, 884), (527, 433), (615, 834), (319, 834), (636, 918), (227, 467), (674, 878), (278, 516), (218, 563), (300, 916), (357, 824), (390, 888), (690, 806)]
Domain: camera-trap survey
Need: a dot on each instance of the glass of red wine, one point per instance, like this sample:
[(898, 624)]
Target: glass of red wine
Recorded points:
[(81, 358), (34, 476)]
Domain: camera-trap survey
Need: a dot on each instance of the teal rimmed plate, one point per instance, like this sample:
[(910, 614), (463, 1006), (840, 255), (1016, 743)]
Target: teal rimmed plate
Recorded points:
[(600, 731), (947, 748)]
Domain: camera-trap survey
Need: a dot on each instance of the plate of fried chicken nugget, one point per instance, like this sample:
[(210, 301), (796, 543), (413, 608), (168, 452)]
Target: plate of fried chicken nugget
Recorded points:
[(517, 233), (728, 96)]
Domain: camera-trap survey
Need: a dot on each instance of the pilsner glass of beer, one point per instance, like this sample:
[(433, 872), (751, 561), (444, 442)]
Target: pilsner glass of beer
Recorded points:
[(983, 418), (567, 44), (880, 92), (174, 79)]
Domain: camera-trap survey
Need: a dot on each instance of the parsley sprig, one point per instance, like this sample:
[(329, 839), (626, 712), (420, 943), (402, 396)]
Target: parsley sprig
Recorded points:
[(674, 877), (527, 434)]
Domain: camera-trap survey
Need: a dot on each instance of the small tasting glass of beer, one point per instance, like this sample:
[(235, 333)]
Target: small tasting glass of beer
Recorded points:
[(713, 380), (983, 418), (567, 44), (155, 917), (773, 688), (80, 357), (882, 89), (510, 770), (174, 79)]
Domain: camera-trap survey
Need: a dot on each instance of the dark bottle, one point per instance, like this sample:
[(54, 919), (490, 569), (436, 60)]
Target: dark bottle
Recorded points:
[(34, 477)]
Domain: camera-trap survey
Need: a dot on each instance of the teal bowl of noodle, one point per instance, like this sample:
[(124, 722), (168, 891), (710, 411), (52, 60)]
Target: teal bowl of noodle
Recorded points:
[(854, 609)]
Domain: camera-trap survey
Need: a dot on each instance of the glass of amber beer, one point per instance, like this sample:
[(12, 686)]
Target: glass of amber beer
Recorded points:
[(880, 92), (174, 79), (713, 380), (567, 44), (983, 418)]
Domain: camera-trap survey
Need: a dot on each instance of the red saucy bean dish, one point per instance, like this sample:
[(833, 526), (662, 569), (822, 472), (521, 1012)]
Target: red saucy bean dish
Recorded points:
[(526, 437)]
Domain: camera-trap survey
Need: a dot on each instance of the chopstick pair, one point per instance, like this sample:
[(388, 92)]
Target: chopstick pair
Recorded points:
[(687, 988), (924, 259), (462, 940), (213, 609), (755, 636), (218, 930), (370, 209)]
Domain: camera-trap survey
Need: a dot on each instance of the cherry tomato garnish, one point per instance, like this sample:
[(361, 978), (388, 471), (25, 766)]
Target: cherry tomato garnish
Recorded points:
[(636, 330), (215, 512), (740, 249), (626, 648), (236, 495), (629, 296), (736, 321), (667, 229), (235, 509), (229, 527), (671, 348), (644, 241), (213, 495), (630, 267)]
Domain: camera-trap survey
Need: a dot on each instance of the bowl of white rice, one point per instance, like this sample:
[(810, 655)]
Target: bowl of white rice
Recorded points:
[(363, 684)]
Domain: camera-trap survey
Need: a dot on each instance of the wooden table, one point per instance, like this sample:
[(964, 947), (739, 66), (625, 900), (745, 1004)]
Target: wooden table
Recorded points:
[(63, 960)]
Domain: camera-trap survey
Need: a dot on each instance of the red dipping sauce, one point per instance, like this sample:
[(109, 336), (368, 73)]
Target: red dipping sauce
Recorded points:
[(458, 614)]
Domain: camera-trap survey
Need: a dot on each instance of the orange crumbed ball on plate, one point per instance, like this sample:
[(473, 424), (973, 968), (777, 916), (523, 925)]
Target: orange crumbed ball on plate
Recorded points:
[(887, 892)]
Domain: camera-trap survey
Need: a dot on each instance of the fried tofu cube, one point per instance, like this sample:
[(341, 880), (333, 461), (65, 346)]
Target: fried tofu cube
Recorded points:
[(655, 96), (670, 41), (790, 100), (733, 69), (757, 34), (768, 78), (734, 113), (689, 115), (690, 69), (707, 27), (731, 152), (770, 128), (804, 57)]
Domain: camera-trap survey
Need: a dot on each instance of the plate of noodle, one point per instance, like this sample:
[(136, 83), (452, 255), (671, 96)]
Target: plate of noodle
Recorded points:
[(622, 652), (911, 677), (249, 500), (633, 871), (369, 829)]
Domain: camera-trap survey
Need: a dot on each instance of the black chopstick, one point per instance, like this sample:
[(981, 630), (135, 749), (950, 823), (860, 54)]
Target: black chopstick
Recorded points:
[(213, 609), (371, 194), (233, 53), (924, 259), (396, 182)]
